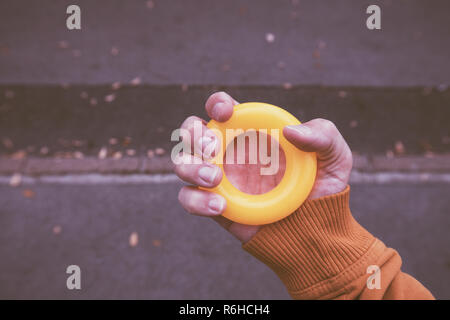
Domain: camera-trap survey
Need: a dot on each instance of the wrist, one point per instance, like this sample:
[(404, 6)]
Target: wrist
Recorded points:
[(324, 188), (314, 246)]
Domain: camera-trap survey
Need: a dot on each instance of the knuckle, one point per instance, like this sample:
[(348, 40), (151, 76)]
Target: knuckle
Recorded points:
[(348, 158), (188, 123), (223, 96), (186, 199), (181, 196), (185, 171), (327, 124), (179, 170), (327, 127), (220, 93)]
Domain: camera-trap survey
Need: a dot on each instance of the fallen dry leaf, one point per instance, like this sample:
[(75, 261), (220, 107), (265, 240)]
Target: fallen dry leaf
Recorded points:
[(116, 85), (316, 54), (353, 124), (44, 150), (131, 152), (28, 193), (4, 50), (63, 44), (126, 141), (425, 144), (57, 229), (317, 65), (15, 180), (287, 85), (114, 51), (226, 67), (30, 149), (270, 37), (84, 95), (18, 155), (103, 153), (342, 94), (159, 151), (156, 243), (77, 143), (93, 101), (7, 143), (117, 155), (243, 11), (429, 154), (399, 147), (134, 239), (136, 81), (110, 97), (78, 155)]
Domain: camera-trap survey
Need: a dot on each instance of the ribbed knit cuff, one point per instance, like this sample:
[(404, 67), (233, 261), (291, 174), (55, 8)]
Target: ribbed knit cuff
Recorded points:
[(318, 249)]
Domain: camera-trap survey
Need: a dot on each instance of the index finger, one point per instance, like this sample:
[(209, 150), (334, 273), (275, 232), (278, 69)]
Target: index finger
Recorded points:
[(219, 106)]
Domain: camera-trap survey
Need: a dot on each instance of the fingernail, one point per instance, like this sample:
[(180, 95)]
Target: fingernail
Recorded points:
[(215, 111), (208, 174), (216, 205), (210, 148), (301, 129), (202, 142)]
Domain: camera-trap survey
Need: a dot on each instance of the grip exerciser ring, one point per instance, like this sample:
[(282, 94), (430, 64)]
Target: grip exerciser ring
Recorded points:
[(298, 178)]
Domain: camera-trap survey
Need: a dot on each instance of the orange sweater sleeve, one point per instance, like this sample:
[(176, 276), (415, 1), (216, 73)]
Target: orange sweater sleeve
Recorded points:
[(321, 252)]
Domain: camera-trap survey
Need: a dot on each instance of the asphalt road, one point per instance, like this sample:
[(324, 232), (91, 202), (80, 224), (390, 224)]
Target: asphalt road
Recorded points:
[(180, 256), (322, 42), (379, 87)]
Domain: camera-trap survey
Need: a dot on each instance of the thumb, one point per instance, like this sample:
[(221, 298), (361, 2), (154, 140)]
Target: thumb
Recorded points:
[(318, 135), (333, 154)]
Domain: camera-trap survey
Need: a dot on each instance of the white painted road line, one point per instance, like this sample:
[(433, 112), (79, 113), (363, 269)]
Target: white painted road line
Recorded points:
[(94, 179), (398, 177), (105, 179)]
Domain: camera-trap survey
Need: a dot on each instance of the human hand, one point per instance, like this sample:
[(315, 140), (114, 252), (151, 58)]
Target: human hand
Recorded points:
[(334, 163)]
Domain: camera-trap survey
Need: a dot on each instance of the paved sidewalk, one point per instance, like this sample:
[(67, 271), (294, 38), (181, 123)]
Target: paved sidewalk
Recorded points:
[(163, 164), (322, 42)]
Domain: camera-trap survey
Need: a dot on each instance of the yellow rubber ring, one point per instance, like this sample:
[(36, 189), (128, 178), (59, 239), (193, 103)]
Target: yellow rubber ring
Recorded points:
[(298, 178)]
